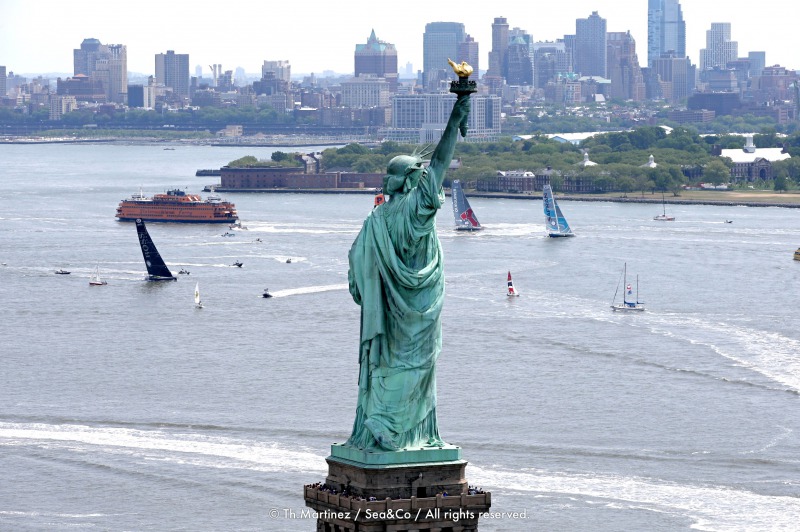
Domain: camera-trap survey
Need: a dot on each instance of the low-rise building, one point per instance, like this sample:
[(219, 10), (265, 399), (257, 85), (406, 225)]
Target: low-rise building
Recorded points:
[(61, 105), (751, 163)]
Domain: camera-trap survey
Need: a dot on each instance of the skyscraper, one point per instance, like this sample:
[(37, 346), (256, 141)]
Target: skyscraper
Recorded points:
[(377, 58), (719, 47), (519, 58), (107, 64), (173, 71), (440, 42), (3, 87), (549, 60), (117, 67), (666, 30), (758, 60), (627, 82), (277, 69), (590, 46), (469, 51), (498, 56), (83, 58), (276, 79), (676, 77)]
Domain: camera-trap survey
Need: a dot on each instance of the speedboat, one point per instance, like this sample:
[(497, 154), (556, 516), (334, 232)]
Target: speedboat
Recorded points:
[(266, 293), (237, 264), (184, 272), (62, 272)]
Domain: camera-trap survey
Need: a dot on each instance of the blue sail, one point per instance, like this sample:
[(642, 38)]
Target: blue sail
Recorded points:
[(463, 214), (556, 223)]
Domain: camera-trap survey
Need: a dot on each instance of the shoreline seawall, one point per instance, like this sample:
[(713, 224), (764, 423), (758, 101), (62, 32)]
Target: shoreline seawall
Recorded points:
[(564, 197)]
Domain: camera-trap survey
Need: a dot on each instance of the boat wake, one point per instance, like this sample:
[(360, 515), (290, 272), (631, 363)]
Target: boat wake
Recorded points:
[(309, 290), (188, 448), (771, 354), (720, 508), (304, 229), (710, 507), (498, 230)]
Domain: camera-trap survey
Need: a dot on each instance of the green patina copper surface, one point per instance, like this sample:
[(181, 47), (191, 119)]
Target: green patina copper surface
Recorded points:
[(396, 275), (379, 458)]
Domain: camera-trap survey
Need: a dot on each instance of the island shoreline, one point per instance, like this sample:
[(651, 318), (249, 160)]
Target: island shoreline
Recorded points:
[(739, 202)]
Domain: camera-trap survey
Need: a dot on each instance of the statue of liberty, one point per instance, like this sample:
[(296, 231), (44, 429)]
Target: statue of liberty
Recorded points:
[(396, 276)]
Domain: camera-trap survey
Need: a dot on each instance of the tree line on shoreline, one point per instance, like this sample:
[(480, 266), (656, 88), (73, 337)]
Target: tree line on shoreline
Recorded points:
[(682, 157)]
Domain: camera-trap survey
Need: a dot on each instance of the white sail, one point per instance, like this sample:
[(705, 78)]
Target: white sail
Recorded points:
[(197, 301), (95, 279)]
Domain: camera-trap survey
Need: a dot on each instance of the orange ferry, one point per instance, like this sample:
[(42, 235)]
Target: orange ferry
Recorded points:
[(177, 206)]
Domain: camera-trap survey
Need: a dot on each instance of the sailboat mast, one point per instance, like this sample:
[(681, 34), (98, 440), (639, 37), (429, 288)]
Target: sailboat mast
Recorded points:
[(637, 290), (625, 283), (614, 300)]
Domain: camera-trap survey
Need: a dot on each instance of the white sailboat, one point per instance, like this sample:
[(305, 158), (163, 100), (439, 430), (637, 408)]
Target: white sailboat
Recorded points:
[(197, 302), (511, 291), (556, 223), (629, 303), (663, 216), (95, 279)]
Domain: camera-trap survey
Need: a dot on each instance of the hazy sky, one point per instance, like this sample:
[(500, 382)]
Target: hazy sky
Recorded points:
[(314, 35)]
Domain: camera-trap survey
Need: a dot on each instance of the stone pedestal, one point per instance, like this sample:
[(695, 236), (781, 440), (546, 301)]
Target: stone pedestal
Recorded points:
[(390, 495), (397, 481)]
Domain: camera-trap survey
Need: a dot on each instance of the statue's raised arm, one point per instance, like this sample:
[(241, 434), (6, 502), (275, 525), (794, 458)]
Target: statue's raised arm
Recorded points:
[(443, 154)]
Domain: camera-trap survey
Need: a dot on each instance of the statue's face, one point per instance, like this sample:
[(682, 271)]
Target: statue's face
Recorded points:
[(413, 173)]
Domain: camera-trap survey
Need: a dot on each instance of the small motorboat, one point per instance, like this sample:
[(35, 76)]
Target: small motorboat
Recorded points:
[(379, 197), (184, 272), (289, 260), (728, 221), (238, 264), (266, 293), (228, 233), (62, 272)]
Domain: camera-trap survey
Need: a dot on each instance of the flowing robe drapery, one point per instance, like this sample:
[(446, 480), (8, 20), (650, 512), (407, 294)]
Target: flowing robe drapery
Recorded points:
[(396, 275)]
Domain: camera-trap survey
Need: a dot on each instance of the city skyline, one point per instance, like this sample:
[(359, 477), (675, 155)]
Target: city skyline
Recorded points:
[(312, 42)]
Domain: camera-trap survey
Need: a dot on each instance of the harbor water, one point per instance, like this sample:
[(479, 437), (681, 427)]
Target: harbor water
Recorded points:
[(124, 407)]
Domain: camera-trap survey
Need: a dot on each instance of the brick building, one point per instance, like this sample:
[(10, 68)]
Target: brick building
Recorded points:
[(267, 178)]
